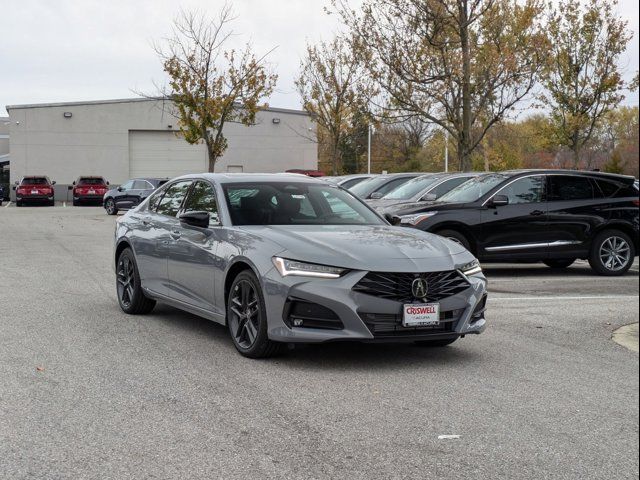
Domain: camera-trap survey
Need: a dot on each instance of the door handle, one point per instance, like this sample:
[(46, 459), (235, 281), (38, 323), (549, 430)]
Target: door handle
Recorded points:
[(537, 213)]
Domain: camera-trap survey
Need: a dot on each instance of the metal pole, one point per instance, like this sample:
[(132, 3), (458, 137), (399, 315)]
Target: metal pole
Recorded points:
[(369, 149), (446, 150)]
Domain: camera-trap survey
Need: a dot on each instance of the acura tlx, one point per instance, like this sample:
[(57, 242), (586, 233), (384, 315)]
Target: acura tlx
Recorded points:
[(281, 259)]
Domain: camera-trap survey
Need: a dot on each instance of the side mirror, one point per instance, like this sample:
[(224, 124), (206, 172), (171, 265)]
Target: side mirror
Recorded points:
[(429, 197), (70, 187), (376, 195), (499, 201), (53, 183), (195, 219), (107, 183), (120, 189), (74, 182)]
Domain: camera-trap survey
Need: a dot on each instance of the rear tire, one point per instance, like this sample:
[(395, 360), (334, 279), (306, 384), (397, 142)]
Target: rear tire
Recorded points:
[(435, 343), (612, 253), (76, 203), (457, 237), (247, 318), (131, 298), (18, 203), (110, 206), (559, 264)]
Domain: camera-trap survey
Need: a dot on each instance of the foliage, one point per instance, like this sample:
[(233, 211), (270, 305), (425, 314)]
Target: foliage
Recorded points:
[(211, 86), (582, 80), (459, 64)]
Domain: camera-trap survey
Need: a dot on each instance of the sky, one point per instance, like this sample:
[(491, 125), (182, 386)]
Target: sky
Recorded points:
[(93, 50)]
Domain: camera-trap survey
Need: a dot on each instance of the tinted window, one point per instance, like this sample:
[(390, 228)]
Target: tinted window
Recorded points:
[(280, 203), (411, 188), (352, 182), (392, 185), (448, 185), (127, 186), (569, 187), (173, 197), (202, 198), (154, 200), (91, 181), (473, 189), (142, 185), (611, 189), (35, 181), (524, 190)]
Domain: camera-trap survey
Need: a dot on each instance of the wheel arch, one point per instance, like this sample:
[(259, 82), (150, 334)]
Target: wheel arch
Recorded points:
[(621, 226), (237, 266), (460, 228), (122, 244)]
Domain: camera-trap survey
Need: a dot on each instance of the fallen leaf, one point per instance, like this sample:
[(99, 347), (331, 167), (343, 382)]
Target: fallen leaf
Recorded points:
[(40, 369)]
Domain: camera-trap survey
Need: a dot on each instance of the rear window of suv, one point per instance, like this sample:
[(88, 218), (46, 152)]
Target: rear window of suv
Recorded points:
[(34, 181), (612, 189), (91, 181)]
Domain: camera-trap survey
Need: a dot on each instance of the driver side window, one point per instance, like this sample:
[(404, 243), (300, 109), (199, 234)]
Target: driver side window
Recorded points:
[(525, 190), (127, 185)]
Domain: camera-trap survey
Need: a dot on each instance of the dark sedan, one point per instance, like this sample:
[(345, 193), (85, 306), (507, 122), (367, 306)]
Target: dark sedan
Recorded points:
[(552, 216), (130, 194), (380, 185)]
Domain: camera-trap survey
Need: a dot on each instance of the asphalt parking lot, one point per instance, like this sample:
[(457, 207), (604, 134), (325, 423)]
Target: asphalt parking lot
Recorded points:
[(88, 392)]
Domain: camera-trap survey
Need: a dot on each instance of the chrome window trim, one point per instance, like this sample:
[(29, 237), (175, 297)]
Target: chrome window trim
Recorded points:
[(522, 246)]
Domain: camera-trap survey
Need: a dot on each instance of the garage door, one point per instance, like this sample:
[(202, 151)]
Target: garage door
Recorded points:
[(164, 154)]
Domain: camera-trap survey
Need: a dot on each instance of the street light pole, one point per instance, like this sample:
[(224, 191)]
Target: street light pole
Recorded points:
[(446, 151), (369, 149)]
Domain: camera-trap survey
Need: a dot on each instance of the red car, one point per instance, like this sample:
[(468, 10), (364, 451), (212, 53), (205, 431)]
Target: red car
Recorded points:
[(34, 189), (89, 190)]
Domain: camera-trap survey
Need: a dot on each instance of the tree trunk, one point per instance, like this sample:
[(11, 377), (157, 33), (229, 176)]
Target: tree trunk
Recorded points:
[(464, 153)]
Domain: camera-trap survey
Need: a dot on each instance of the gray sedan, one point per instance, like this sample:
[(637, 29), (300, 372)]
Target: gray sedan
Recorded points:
[(282, 259)]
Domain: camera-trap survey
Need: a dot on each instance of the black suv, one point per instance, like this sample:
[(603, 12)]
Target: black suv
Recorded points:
[(130, 194), (553, 216)]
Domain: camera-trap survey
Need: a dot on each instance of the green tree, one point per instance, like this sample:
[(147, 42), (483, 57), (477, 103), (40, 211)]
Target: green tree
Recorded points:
[(582, 78), (614, 165), (211, 86), (335, 92), (459, 64)]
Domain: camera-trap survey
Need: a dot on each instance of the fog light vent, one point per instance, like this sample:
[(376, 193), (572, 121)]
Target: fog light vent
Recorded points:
[(303, 314)]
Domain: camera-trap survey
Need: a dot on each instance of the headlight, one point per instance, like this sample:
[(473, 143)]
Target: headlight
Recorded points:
[(415, 218), (294, 267), (471, 268)]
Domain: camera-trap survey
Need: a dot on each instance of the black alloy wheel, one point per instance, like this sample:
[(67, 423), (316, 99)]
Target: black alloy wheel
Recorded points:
[(246, 318), (130, 295), (110, 206)]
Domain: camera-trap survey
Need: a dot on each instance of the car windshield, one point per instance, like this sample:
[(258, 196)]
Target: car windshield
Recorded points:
[(473, 189), (35, 181), (410, 189), (91, 181), (365, 187), (293, 203)]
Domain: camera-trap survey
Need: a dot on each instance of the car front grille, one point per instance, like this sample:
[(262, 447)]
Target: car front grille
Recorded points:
[(391, 325), (397, 286)]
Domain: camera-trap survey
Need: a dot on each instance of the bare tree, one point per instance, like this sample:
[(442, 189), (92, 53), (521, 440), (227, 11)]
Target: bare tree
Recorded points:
[(582, 78), (459, 64), (334, 91), (211, 86)]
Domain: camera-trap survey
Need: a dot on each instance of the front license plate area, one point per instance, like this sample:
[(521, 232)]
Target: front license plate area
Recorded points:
[(34, 192), (421, 315)]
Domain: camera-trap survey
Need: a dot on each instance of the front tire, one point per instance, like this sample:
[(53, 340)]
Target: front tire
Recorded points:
[(131, 298), (247, 318), (612, 253), (457, 237), (110, 206), (559, 264)]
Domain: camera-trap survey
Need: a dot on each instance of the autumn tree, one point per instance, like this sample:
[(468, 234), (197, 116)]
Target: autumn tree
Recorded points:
[(582, 78), (211, 85), (335, 91), (459, 64)]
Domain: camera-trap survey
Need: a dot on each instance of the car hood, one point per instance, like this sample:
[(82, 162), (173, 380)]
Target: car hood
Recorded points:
[(364, 247), (383, 203), (419, 207)]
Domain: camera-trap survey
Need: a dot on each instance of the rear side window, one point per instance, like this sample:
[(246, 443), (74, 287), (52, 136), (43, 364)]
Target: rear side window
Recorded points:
[(612, 189), (569, 187), (448, 185), (35, 181), (141, 185), (392, 185), (173, 197)]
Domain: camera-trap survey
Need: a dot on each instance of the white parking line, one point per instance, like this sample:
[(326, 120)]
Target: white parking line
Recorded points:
[(563, 297), (64, 204), (7, 205)]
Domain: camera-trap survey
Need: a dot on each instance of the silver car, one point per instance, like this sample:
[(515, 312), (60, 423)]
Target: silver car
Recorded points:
[(283, 259)]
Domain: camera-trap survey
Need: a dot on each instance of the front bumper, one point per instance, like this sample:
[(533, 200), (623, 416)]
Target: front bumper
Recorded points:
[(35, 198), (365, 317)]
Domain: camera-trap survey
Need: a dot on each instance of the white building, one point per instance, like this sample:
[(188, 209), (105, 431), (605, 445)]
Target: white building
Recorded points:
[(121, 139)]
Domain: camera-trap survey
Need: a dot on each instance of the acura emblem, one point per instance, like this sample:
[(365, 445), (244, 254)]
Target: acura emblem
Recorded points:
[(419, 288)]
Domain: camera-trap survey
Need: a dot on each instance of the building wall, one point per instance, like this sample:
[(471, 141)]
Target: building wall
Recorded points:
[(95, 140), (4, 135)]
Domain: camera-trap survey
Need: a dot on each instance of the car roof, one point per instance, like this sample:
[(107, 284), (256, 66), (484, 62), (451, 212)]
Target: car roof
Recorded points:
[(254, 177), (548, 171)]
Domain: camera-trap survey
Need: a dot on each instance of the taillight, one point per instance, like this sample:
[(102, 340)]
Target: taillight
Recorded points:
[(636, 202)]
